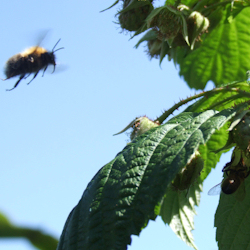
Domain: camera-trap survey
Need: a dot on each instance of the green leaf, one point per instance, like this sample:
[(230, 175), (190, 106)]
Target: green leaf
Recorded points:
[(207, 151), (222, 57), (211, 151), (164, 50), (178, 211), (232, 220), (116, 2), (125, 194), (183, 202), (150, 35), (235, 9), (170, 2), (189, 3), (222, 99), (37, 238)]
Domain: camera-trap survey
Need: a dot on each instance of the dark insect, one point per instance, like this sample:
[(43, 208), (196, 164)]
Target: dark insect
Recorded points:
[(32, 60), (233, 182)]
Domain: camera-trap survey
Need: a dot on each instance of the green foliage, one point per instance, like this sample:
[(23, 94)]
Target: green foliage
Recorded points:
[(232, 220), (127, 192), (223, 97), (37, 238), (208, 151), (183, 194), (209, 40), (222, 56), (178, 210)]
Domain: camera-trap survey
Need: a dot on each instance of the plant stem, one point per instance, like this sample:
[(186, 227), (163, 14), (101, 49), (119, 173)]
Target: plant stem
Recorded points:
[(241, 93)]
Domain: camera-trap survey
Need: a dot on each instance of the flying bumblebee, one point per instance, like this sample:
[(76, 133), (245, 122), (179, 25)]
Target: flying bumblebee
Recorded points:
[(233, 182), (32, 60)]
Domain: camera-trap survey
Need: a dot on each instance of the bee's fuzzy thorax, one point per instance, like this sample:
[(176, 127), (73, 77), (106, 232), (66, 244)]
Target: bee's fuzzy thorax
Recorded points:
[(32, 50)]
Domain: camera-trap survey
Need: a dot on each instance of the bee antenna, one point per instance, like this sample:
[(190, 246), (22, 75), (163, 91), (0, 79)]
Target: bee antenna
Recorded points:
[(55, 45), (57, 49)]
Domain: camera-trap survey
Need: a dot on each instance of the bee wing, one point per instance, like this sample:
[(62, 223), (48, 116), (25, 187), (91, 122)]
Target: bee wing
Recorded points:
[(215, 190), (40, 37)]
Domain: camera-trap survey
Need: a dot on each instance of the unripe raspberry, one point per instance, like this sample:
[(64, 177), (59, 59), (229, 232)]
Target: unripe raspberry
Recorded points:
[(168, 23), (134, 18)]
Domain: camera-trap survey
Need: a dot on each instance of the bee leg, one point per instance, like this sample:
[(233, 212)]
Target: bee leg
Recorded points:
[(6, 78), (20, 78), (27, 76), (33, 77), (54, 69), (44, 70)]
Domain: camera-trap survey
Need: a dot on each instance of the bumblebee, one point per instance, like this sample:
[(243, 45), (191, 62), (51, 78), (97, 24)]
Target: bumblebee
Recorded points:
[(32, 60), (234, 180)]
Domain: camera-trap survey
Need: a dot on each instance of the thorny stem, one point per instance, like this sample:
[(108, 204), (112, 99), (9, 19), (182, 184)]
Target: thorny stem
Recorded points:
[(168, 112)]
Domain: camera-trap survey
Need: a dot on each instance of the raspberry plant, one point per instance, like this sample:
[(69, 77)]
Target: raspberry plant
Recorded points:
[(161, 171)]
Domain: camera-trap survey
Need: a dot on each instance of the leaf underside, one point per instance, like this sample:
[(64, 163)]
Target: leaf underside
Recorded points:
[(178, 210)]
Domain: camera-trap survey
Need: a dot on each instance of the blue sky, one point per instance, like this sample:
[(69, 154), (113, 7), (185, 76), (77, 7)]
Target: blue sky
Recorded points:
[(56, 133)]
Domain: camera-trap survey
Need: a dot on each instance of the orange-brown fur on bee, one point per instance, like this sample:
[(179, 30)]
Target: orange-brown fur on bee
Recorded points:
[(32, 60)]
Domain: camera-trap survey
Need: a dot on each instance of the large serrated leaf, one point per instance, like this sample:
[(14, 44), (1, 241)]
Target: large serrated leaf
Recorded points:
[(223, 56), (186, 200), (218, 140), (182, 203), (207, 151), (232, 220), (123, 195), (178, 211)]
